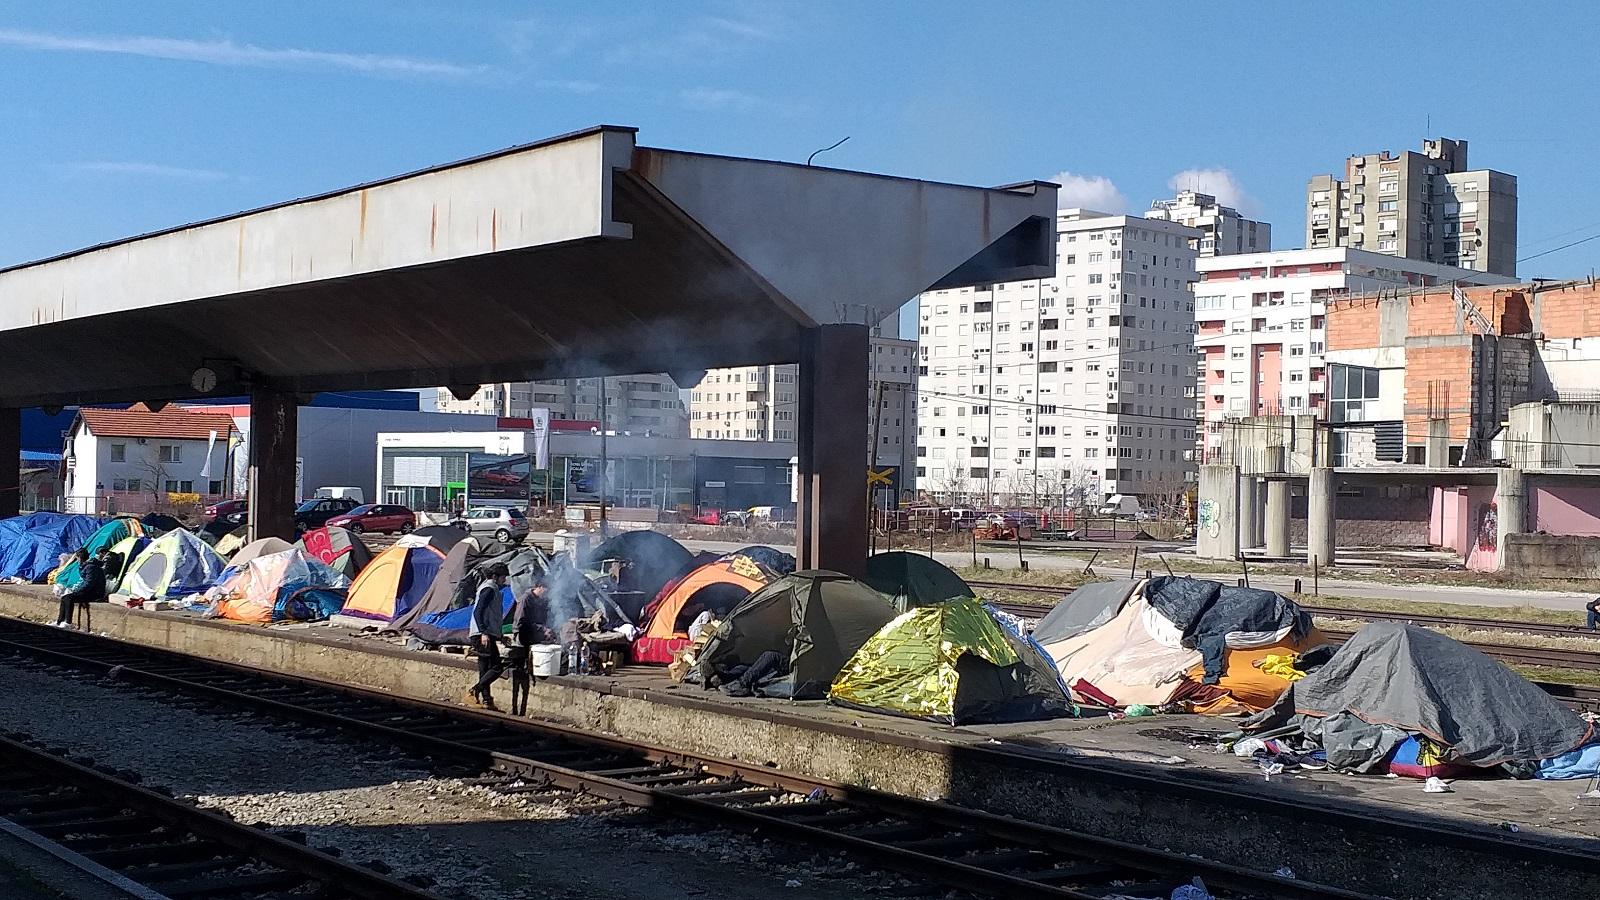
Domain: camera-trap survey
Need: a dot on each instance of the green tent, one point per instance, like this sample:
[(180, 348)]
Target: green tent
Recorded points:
[(813, 620), (910, 580), (957, 662)]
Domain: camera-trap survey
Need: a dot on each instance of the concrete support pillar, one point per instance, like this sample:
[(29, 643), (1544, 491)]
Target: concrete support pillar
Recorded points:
[(1321, 520), (11, 461), (1277, 519), (274, 438), (831, 476), (1217, 532), (1249, 512), (1511, 506), (1436, 452)]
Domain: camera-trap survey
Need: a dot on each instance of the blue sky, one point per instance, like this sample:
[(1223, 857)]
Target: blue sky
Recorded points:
[(121, 118)]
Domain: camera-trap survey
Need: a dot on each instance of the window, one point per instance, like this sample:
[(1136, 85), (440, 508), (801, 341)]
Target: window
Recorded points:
[(214, 487), (171, 453), (1096, 278), (1097, 257), (1393, 205), (119, 453)]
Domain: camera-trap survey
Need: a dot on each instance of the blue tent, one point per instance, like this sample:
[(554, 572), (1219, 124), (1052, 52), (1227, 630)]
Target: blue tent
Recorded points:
[(31, 546)]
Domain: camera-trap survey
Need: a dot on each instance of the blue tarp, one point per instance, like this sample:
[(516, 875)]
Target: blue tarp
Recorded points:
[(31, 546), (451, 627)]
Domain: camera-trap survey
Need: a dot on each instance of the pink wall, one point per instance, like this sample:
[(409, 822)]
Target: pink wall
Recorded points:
[(1266, 388), (1566, 510), (1463, 520)]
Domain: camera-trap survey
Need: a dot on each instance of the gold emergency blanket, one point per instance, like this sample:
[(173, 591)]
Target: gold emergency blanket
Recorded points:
[(909, 666)]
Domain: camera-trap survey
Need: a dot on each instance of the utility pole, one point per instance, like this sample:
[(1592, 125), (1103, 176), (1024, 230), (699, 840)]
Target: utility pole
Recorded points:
[(605, 473)]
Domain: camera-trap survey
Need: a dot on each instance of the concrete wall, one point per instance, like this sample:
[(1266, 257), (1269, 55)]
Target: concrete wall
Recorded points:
[(1371, 520), (1554, 435), (1565, 510), (1552, 556)]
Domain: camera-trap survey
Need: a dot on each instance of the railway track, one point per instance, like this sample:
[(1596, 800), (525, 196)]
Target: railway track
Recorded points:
[(132, 836), (931, 841)]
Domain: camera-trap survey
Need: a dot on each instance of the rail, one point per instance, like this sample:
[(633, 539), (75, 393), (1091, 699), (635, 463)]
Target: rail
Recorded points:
[(932, 841)]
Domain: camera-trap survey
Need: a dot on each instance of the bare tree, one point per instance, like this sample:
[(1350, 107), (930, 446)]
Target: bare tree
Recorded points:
[(954, 484)]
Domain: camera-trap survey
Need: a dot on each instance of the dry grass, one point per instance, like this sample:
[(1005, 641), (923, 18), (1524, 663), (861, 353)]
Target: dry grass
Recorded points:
[(1559, 676), (1510, 614)]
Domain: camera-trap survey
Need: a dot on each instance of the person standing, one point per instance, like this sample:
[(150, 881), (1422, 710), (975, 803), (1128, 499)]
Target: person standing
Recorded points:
[(527, 629), (91, 587), (488, 621)]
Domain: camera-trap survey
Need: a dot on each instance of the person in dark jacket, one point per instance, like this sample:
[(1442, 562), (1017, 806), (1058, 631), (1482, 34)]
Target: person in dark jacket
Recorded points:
[(91, 589), (488, 623), (527, 629)]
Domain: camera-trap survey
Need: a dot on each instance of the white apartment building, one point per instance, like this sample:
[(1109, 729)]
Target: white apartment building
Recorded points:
[(639, 404), (1222, 229), (1261, 325), (758, 403), (1075, 387)]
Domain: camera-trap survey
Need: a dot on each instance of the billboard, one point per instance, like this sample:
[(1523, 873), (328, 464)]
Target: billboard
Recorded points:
[(492, 477), (584, 482)]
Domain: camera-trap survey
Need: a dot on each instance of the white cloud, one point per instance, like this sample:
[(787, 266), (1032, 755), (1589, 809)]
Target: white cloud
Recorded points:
[(143, 169), (1088, 192), (706, 98), (1219, 183), (228, 53)]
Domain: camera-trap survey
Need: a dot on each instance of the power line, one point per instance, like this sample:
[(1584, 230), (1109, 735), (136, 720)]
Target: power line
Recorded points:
[(1592, 237)]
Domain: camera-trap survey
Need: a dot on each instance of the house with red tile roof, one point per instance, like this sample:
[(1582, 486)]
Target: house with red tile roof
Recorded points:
[(136, 457)]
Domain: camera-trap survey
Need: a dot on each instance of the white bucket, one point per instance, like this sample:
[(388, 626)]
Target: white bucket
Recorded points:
[(545, 659)]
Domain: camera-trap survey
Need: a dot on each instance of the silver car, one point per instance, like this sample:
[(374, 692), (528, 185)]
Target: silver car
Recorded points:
[(509, 526)]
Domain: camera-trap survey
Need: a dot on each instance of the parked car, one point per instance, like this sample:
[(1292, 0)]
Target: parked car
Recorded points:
[(509, 526), (316, 512), (226, 507), (709, 517), (385, 517)]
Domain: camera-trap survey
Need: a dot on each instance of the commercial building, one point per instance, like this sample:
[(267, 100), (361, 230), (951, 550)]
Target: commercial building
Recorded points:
[(1223, 230), (638, 404), (757, 403), (1424, 206), (1075, 387), (435, 472), (1261, 328)]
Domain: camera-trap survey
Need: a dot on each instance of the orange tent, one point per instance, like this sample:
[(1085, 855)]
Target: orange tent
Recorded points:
[(718, 586)]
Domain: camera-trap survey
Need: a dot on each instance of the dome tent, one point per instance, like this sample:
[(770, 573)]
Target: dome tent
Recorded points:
[(107, 535), (175, 564), (399, 577), (718, 586), (814, 620), (339, 548), (32, 545), (957, 663), (913, 579), (283, 586)]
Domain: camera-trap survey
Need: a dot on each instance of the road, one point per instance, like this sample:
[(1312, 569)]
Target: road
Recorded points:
[(1414, 591)]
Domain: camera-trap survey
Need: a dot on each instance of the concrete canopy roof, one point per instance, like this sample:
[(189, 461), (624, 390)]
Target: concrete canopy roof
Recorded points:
[(580, 255)]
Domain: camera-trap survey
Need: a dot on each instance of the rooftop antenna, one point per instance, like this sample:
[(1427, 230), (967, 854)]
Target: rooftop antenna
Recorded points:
[(826, 149)]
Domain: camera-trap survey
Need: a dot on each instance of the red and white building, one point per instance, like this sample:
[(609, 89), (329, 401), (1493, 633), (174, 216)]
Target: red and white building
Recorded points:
[(1261, 325)]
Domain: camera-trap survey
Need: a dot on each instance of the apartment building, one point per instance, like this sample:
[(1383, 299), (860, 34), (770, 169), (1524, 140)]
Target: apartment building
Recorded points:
[(1424, 206), (1261, 325), (758, 403), (1075, 387), (640, 404), (1223, 230)]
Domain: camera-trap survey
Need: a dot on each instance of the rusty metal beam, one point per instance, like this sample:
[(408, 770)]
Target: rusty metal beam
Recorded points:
[(831, 523)]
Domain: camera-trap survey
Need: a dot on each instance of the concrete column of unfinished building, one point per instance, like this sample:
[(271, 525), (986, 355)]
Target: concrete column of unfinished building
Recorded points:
[(581, 255)]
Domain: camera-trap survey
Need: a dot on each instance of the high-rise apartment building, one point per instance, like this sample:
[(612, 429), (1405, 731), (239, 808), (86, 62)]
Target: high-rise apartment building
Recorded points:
[(1075, 387), (640, 404), (1425, 206), (1222, 229), (1262, 332), (758, 403)]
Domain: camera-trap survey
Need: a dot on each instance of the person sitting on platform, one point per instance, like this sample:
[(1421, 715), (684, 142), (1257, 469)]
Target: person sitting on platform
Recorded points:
[(92, 587)]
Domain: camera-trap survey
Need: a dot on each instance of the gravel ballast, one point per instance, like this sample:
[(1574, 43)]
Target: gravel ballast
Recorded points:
[(374, 803)]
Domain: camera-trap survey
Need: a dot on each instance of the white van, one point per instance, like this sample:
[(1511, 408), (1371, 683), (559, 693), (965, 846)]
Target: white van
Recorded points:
[(340, 493), (1121, 505)]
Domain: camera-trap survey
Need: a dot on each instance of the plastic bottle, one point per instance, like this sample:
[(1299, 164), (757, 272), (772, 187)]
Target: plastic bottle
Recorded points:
[(572, 659), (583, 658)]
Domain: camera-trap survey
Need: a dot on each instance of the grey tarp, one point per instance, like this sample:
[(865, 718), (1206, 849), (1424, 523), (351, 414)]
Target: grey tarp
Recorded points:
[(1426, 683), (814, 620), (1208, 611), (1085, 609), (910, 580)]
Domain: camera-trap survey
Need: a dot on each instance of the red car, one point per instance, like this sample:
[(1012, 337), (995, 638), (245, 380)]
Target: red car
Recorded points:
[(227, 508), (384, 517)]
